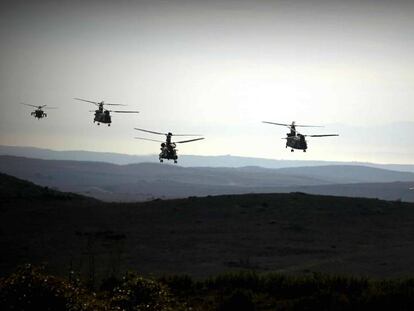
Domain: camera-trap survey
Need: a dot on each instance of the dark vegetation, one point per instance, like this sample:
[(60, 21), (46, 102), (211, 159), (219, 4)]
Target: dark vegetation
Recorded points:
[(30, 288), (233, 252)]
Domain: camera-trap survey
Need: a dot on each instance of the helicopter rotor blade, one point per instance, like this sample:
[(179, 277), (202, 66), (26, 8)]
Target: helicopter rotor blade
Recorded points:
[(51, 107), (29, 105), (88, 101), (98, 103), (123, 111), (159, 133), (188, 141), (290, 125), (147, 131), (323, 135), (300, 125), (158, 141), (274, 123), (189, 135)]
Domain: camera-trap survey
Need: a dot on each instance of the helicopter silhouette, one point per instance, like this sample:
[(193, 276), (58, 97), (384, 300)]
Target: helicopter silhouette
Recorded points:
[(39, 113), (168, 148), (104, 115), (296, 140)]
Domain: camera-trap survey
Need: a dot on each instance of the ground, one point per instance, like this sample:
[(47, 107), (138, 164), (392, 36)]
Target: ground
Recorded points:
[(289, 233)]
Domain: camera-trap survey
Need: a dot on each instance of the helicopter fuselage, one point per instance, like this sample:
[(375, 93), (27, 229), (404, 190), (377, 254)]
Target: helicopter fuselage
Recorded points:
[(39, 114), (168, 152), (296, 142), (102, 116)]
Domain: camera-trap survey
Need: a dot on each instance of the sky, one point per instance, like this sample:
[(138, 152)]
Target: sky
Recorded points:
[(216, 68)]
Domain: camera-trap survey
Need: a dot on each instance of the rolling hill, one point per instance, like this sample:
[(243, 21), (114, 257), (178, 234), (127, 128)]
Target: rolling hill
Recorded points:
[(146, 181), (289, 233), (185, 160)]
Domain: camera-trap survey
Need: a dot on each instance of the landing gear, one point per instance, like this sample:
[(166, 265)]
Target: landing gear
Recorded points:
[(304, 150), (109, 124), (99, 123), (161, 160), (291, 150), (175, 161)]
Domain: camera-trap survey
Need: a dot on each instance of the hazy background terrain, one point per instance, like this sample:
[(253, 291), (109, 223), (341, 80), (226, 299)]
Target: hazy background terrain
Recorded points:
[(184, 160), (140, 180)]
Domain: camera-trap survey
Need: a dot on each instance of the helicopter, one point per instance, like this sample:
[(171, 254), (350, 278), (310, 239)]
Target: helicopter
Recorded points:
[(168, 148), (296, 140), (103, 115), (39, 113)]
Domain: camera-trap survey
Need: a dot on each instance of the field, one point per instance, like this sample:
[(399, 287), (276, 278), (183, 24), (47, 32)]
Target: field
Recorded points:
[(285, 233), (245, 252)]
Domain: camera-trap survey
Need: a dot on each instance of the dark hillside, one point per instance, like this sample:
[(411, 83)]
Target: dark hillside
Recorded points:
[(12, 188), (289, 233)]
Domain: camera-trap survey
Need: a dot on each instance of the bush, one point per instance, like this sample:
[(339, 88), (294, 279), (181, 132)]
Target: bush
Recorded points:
[(29, 288), (137, 293)]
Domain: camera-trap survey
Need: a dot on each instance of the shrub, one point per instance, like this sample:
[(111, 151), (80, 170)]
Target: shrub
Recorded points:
[(29, 288), (137, 293)]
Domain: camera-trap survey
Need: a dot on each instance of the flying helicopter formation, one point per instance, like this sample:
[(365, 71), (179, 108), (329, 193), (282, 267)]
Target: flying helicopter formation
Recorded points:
[(294, 139)]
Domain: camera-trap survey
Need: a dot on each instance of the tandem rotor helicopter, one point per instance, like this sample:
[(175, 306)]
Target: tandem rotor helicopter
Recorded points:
[(103, 115), (168, 148), (39, 113), (296, 140)]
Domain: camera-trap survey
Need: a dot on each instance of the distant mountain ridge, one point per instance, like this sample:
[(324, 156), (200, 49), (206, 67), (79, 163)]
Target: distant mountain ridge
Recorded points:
[(185, 160), (145, 181)]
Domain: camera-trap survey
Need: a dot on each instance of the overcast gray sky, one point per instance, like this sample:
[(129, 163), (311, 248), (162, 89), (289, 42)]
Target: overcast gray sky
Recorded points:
[(212, 67)]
